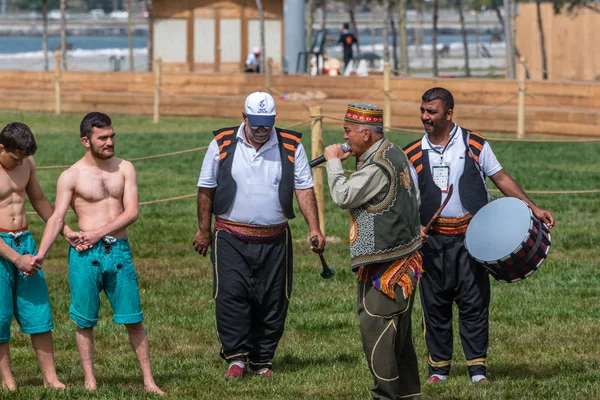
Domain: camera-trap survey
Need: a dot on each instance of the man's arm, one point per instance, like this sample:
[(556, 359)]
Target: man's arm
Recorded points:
[(36, 196), (64, 193), (42, 205), (509, 187), (130, 209), (205, 205), (308, 206)]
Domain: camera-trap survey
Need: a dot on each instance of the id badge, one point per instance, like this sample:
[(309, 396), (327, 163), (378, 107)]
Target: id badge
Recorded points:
[(441, 174)]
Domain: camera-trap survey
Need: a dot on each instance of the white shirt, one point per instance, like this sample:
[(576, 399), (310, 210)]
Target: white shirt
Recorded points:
[(454, 157), (251, 60), (257, 174)]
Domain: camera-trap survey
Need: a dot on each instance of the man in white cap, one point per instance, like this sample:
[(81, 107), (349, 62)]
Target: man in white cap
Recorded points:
[(252, 61), (248, 179)]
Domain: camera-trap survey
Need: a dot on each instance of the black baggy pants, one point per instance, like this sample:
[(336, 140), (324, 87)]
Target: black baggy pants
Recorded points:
[(252, 284), (386, 331), (451, 275)]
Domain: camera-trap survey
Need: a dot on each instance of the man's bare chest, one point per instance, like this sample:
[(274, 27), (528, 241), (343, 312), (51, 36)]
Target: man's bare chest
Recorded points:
[(101, 186)]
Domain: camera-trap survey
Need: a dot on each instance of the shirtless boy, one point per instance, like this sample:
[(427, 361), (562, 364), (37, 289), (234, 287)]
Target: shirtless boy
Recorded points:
[(102, 190), (23, 291)]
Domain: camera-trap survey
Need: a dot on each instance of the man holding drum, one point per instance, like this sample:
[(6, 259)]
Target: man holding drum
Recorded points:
[(450, 155)]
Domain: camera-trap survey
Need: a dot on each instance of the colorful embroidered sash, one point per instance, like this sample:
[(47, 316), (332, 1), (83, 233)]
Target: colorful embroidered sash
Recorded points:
[(404, 272), (249, 232), (452, 226)]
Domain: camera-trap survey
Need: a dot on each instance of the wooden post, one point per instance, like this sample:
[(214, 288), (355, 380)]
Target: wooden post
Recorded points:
[(57, 82), (316, 135), (387, 92), (157, 82), (268, 73), (521, 75)]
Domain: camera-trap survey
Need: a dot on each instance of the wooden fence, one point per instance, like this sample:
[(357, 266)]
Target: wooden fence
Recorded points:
[(487, 105)]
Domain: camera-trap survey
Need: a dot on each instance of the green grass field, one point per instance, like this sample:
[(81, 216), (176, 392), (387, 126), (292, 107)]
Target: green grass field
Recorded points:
[(544, 331)]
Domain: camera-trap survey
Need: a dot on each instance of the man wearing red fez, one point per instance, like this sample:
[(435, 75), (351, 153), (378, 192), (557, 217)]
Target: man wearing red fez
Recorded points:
[(384, 247)]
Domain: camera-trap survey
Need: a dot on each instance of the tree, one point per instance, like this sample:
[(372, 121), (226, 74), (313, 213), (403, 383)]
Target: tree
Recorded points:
[(434, 38), (390, 19), (542, 41), (261, 22), (464, 36), (309, 33), (351, 6), (45, 34), (386, 32), (403, 38), (63, 33), (574, 5)]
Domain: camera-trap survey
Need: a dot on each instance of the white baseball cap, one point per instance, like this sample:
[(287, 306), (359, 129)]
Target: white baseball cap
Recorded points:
[(260, 109)]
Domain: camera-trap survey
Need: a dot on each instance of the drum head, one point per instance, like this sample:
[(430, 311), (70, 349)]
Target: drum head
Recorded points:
[(498, 229)]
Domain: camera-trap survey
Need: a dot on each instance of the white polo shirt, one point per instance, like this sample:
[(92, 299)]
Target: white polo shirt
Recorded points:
[(453, 155), (257, 174)]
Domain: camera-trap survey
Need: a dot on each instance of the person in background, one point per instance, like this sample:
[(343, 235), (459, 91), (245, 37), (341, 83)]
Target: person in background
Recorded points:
[(252, 63)]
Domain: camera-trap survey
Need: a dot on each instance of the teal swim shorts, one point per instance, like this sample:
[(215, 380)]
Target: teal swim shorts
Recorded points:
[(24, 297), (107, 267)]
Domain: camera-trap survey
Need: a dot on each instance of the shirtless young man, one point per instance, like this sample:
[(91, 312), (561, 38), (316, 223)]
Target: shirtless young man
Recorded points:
[(102, 191), (23, 291)]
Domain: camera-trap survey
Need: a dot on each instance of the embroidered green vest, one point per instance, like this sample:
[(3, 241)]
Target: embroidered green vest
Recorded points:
[(389, 228)]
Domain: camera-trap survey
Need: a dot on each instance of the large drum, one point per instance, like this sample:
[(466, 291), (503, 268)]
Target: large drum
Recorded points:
[(508, 239)]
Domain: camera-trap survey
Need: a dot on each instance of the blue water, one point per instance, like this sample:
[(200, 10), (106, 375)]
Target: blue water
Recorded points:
[(18, 44)]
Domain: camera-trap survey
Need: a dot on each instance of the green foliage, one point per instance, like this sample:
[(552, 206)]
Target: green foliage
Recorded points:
[(36, 5), (572, 6), (542, 329)]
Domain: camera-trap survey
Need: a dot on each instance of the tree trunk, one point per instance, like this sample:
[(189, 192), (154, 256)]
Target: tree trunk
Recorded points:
[(323, 14), (309, 33), (542, 41), (386, 31), (403, 38), (434, 53), (45, 34), (130, 35), (419, 33), (63, 33), (150, 43), (394, 38), (496, 8), (352, 14), (261, 23), (464, 37)]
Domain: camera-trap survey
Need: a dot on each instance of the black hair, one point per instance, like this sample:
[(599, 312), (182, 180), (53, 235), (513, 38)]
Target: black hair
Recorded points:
[(438, 93), (17, 137), (93, 120), (346, 25)]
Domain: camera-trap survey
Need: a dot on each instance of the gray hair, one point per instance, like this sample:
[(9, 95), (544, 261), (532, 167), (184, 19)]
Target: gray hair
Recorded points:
[(375, 129)]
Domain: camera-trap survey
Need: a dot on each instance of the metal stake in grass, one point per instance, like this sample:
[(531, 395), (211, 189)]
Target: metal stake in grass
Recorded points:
[(327, 271)]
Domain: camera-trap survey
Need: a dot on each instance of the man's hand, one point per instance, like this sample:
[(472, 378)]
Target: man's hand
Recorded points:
[(320, 246), (545, 216), (28, 265), (88, 239), (202, 241), (424, 235), (335, 151), (73, 238)]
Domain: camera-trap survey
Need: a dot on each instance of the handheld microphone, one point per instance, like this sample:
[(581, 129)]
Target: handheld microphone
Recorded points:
[(321, 160)]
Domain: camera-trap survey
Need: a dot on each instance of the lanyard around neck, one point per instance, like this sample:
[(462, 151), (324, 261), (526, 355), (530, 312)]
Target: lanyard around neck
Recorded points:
[(441, 153)]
